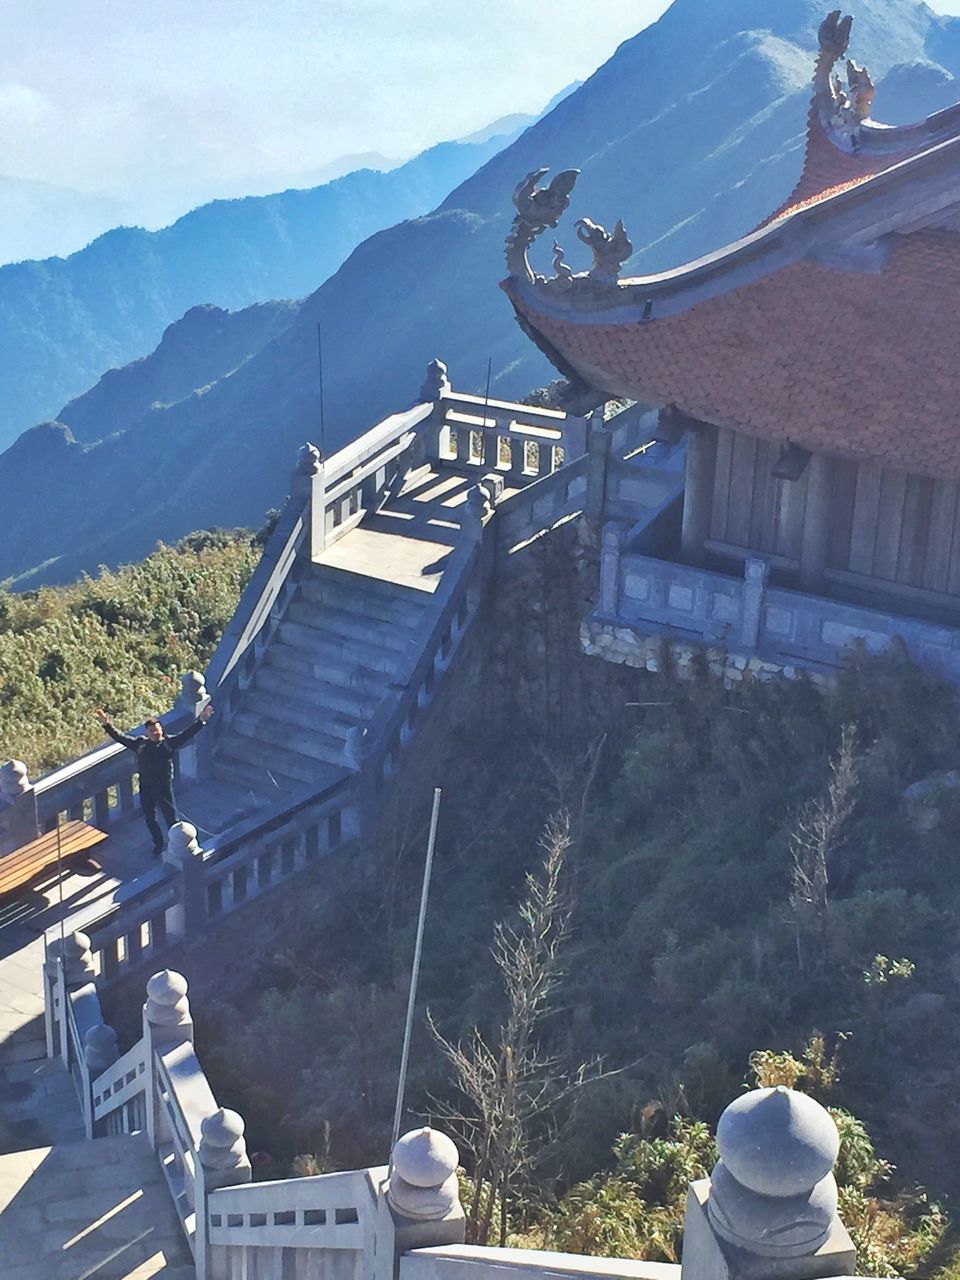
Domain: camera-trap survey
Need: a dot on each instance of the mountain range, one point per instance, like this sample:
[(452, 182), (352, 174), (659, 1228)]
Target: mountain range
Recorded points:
[(692, 132), (63, 321)]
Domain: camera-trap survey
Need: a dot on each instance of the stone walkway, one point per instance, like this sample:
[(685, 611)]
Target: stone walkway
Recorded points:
[(89, 1211), (71, 1209)]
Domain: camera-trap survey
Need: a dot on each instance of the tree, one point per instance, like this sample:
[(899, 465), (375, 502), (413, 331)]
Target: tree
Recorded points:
[(510, 1085), (819, 832)]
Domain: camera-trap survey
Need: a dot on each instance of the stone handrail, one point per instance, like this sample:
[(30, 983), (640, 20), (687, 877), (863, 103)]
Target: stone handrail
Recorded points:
[(470, 1262), (543, 504), (260, 594), (473, 431), (435, 648), (178, 904), (336, 1211), (123, 1083)]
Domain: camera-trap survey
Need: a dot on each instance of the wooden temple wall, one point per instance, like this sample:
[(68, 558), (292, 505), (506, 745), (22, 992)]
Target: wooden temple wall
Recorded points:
[(899, 531)]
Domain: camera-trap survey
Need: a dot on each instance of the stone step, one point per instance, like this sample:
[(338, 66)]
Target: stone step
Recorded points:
[(320, 646), (312, 675), (253, 778), (90, 1209), (293, 739), (303, 769), (389, 602), (292, 710), (315, 696), (341, 624)]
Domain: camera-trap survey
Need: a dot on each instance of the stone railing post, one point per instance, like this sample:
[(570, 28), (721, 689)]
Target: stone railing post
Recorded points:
[(67, 966), (475, 512), (183, 853), (611, 549), (309, 483), (598, 455), (435, 386), (191, 700), (755, 571), (100, 1051), (769, 1208), (19, 822), (222, 1161), (166, 1021), (420, 1205)]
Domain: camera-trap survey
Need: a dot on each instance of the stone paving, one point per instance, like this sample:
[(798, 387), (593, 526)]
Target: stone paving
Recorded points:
[(71, 1209), (89, 1211)]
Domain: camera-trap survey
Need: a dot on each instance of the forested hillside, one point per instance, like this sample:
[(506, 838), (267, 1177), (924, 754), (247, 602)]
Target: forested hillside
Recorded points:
[(747, 871), (119, 641)]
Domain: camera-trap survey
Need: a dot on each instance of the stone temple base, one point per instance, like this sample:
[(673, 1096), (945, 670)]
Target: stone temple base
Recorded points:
[(684, 658)]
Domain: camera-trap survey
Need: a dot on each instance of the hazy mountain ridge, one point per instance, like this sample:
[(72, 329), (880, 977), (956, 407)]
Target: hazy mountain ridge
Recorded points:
[(63, 321), (692, 132)]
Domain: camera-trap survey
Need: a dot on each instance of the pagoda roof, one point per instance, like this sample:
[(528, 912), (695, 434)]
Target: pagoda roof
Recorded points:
[(835, 325)]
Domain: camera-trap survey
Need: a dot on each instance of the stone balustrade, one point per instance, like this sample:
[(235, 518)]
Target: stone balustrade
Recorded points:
[(768, 1208), (745, 626), (520, 442)]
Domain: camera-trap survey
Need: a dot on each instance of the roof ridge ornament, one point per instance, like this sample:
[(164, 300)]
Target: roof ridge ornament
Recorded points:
[(537, 208), (842, 110), (610, 251)]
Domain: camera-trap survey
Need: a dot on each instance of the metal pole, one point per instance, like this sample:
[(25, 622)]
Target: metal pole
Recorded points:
[(323, 443), (414, 976)]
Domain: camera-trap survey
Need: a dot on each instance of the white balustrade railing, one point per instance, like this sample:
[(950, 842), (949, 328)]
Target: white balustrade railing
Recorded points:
[(334, 1212)]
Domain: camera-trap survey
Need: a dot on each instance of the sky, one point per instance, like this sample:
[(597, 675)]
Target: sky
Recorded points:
[(153, 106)]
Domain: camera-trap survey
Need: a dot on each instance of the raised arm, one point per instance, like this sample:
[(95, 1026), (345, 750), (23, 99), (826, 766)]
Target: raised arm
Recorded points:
[(177, 740), (125, 739)]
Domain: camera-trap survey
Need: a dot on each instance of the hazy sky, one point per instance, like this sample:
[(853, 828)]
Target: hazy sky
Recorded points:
[(160, 101)]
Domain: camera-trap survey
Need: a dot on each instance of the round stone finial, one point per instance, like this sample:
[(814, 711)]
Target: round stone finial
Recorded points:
[(167, 987), (309, 459), (425, 1157), (181, 844), (13, 779), (192, 689), (75, 946), (222, 1143), (777, 1142), (100, 1048), (435, 382), (167, 1004)]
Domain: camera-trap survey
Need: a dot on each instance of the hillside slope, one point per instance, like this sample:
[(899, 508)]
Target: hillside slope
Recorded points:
[(63, 321), (713, 96)]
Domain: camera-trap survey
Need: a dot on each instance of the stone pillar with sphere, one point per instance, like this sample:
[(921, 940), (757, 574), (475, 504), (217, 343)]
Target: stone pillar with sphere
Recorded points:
[(768, 1211)]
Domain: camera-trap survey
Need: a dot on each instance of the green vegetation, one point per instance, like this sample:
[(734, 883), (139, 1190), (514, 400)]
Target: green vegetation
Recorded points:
[(120, 640), (744, 868)]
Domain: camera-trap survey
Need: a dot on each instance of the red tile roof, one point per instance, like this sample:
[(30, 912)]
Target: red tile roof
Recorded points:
[(858, 364), (827, 169)]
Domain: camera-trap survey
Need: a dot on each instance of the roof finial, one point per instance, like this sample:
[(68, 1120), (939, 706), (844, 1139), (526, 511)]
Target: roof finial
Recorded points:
[(842, 109), (537, 208)]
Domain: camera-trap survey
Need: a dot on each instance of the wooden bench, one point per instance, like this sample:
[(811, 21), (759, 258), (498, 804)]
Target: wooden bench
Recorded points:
[(26, 863)]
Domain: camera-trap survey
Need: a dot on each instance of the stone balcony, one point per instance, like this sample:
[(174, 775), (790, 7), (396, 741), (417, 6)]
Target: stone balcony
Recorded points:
[(743, 623)]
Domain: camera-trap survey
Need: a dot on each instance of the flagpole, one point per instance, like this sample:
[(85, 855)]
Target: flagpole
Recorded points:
[(415, 975)]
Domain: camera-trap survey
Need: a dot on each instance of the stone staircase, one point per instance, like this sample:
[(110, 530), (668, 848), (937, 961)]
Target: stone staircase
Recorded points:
[(347, 643), (97, 1209)]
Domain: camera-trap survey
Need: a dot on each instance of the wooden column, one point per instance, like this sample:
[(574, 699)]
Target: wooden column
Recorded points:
[(816, 524), (698, 490)]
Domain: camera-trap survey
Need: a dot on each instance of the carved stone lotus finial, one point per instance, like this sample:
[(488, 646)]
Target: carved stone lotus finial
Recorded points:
[(610, 251), (537, 208), (309, 459), (435, 382)]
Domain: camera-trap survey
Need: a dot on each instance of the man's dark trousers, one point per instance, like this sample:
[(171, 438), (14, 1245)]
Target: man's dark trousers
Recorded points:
[(150, 802)]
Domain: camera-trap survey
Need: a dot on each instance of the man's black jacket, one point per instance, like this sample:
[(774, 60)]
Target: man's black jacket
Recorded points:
[(155, 759)]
